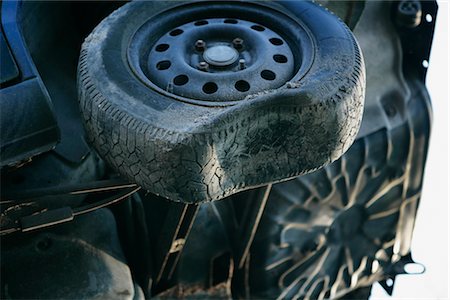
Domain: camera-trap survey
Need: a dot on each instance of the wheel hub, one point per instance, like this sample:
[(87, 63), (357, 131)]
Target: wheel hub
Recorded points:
[(219, 59), (220, 55)]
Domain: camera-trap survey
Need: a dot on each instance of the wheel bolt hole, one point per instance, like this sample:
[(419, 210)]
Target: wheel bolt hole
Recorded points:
[(162, 47), (276, 41), (230, 21), (180, 80), (268, 75), (176, 32), (163, 65), (242, 86), (201, 23), (279, 58), (258, 28), (209, 88)]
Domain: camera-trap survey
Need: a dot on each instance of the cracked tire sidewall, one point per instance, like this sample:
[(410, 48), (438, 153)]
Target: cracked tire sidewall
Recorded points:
[(191, 153)]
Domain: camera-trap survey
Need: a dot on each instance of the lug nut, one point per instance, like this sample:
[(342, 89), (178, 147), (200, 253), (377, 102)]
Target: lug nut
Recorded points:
[(242, 64), (238, 43), (200, 45), (203, 66)]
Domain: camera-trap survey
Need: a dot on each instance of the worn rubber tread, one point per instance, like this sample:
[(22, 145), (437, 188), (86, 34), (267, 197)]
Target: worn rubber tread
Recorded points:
[(225, 156)]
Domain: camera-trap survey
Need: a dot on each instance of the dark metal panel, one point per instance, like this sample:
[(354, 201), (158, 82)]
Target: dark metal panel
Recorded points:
[(27, 123), (8, 67)]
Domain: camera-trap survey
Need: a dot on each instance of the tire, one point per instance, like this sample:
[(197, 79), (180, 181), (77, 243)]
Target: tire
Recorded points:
[(194, 150)]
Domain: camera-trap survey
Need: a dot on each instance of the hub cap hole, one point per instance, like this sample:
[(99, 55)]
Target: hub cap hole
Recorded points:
[(279, 58), (201, 23), (230, 21), (258, 28), (176, 32), (268, 75), (209, 88), (242, 86), (181, 80), (163, 65), (162, 47), (276, 41)]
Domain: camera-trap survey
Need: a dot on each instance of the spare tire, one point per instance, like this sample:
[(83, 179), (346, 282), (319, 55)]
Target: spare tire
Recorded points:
[(196, 101)]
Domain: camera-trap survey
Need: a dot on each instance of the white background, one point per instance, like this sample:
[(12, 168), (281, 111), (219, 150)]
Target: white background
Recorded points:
[(431, 235)]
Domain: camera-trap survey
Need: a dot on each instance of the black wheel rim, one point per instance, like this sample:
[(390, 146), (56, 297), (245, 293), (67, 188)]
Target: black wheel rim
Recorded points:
[(220, 59)]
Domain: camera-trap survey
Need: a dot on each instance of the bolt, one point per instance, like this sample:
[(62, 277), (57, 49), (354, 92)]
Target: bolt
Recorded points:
[(203, 66), (409, 13), (242, 64), (200, 45), (238, 43)]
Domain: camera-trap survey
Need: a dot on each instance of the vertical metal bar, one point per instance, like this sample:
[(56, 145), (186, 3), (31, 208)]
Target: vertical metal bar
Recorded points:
[(177, 226), (250, 222)]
